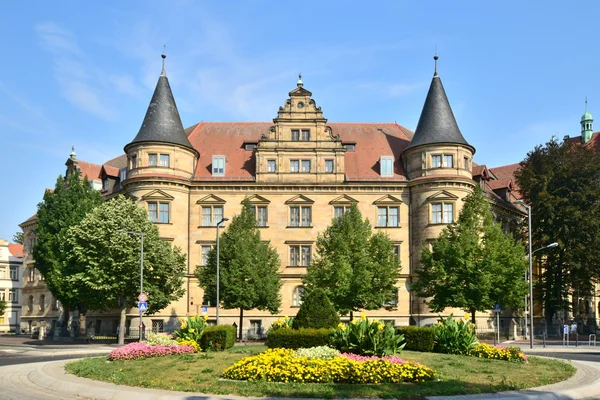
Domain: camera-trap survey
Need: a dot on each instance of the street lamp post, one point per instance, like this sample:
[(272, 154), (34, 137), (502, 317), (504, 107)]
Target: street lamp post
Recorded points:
[(141, 235), (218, 274), (551, 245)]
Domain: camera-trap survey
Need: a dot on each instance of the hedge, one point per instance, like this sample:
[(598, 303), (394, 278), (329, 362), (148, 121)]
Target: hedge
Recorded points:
[(218, 338), (418, 338), (295, 339)]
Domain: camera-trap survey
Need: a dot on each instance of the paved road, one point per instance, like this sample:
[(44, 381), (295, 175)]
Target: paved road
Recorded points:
[(15, 359)]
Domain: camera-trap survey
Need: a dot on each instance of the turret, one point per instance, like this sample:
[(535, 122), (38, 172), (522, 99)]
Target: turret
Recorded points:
[(586, 125)]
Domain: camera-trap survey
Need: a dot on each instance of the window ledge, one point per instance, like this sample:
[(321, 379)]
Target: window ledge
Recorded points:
[(388, 227), (162, 223), (439, 223), (296, 227), (297, 266), (211, 226)]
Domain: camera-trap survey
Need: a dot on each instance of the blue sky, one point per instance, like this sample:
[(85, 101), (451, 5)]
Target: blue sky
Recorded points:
[(82, 73)]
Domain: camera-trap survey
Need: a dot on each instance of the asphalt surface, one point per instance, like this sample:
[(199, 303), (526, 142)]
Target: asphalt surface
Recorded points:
[(17, 359)]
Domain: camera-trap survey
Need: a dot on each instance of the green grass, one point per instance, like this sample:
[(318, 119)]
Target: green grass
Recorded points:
[(201, 373)]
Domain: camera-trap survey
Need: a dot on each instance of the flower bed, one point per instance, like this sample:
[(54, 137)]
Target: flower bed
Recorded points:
[(282, 365), (135, 351), (511, 353)]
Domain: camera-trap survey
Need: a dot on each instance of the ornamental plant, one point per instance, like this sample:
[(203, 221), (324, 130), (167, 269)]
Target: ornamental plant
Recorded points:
[(191, 343), (511, 353), (138, 350), (191, 328), (281, 323), (366, 337), (454, 336), (319, 352), (282, 365), (316, 311), (160, 339)]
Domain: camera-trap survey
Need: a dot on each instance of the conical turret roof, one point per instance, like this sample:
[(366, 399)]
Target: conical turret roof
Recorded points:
[(437, 124), (162, 122)]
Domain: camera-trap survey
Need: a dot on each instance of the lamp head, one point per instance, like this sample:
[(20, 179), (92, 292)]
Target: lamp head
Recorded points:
[(551, 245)]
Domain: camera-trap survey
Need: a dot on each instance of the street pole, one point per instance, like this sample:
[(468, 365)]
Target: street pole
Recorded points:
[(218, 274)]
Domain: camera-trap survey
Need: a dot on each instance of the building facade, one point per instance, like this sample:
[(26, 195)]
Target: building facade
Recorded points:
[(299, 172), (11, 270)]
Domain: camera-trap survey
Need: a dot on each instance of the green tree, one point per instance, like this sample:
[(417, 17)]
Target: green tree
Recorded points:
[(61, 209), (18, 238), (3, 307), (357, 270), (473, 264), (561, 183), (103, 260), (249, 268), (316, 311)]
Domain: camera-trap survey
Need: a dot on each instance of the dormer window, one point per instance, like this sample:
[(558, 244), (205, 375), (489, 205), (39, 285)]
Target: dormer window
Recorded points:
[(250, 146), (386, 165), (105, 184), (218, 165), (350, 147)]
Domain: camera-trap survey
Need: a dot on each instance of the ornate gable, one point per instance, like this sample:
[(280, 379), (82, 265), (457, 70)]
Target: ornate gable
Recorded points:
[(157, 195), (256, 199), (211, 199), (300, 199), (344, 199), (443, 195), (388, 199)]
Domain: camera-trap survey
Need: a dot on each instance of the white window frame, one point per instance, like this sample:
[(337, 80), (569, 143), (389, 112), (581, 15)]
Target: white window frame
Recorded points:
[(294, 166), (214, 217), (446, 216), (436, 160), (305, 166), (164, 160), (153, 159), (340, 209), (297, 294), (448, 157), (14, 272), (216, 165), (388, 216), (157, 216), (272, 166), (386, 166), (329, 165), (203, 255)]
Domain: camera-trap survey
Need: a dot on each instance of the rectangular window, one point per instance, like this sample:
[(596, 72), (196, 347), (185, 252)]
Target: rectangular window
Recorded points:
[(393, 216), (211, 215), (153, 212), (12, 295), (164, 213), (122, 174), (381, 216), (255, 328), (14, 273), (205, 250), (466, 163), (165, 160), (386, 164), (294, 166), (329, 166), (306, 216), (305, 135), (436, 161), (338, 211), (300, 216), (55, 304), (261, 216), (133, 162), (305, 165), (436, 213), (294, 216), (2, 295), (105, 184), (295, 135), (152, 160), (397, 252), (300, 256), (2, 273), (271, 166), (387, 216), (448, 161), (448, 213), (350, 148), (157, 326), (218, 165), (31, 275)]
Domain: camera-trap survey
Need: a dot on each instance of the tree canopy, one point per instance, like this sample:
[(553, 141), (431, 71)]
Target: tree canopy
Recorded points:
[(356, 268), (316, 311), (3, 306), (61, 209), (103, 260), (18, 238), (473, 264), (561, 183), (249, 268)]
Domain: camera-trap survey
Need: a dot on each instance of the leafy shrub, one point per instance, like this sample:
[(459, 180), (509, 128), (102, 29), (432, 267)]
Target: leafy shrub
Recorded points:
[(138, 350), (297, 338), (282, 323), (366, 337), (454, 336), (160, 339), (191, 343), (320, 352), (511, 353), (418, 338), (191, 328), (218, 338), (281, 365), (316, 312)]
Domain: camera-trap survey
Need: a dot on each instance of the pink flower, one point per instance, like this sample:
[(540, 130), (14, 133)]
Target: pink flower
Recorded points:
[(137, 350), (356, 357)]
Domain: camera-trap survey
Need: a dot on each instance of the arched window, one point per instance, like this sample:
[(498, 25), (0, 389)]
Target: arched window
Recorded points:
[(30, 303), (297, 296), (42, 302)]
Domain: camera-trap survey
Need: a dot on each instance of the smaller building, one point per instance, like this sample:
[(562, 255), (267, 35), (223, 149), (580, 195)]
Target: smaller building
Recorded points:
[(11, 278)]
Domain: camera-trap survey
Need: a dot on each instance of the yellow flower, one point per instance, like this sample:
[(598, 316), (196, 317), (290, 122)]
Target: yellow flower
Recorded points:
[(363, 315), (205, 317), (467, 316)]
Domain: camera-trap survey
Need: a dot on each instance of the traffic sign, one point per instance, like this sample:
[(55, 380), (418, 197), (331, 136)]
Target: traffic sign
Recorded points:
[(143, 297), (143, 306), (204, 309), (497, 308)]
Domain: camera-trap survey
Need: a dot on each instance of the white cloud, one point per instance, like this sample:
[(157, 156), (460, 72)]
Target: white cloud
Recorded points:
[(86, 98)]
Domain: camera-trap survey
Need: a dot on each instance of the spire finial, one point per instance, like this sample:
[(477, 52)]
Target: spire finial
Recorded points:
[(300, 83), (72, 155), (163, 55), (435, 57), (585, 103)]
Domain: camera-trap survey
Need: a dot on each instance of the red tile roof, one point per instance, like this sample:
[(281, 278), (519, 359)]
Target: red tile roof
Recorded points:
[(373, 140), (118, 162), (16, 250), (92, 171), (110, 171), (501, 184), (507, 172)]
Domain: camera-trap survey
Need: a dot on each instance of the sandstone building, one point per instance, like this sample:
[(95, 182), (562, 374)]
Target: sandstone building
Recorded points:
[(299, 172)]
